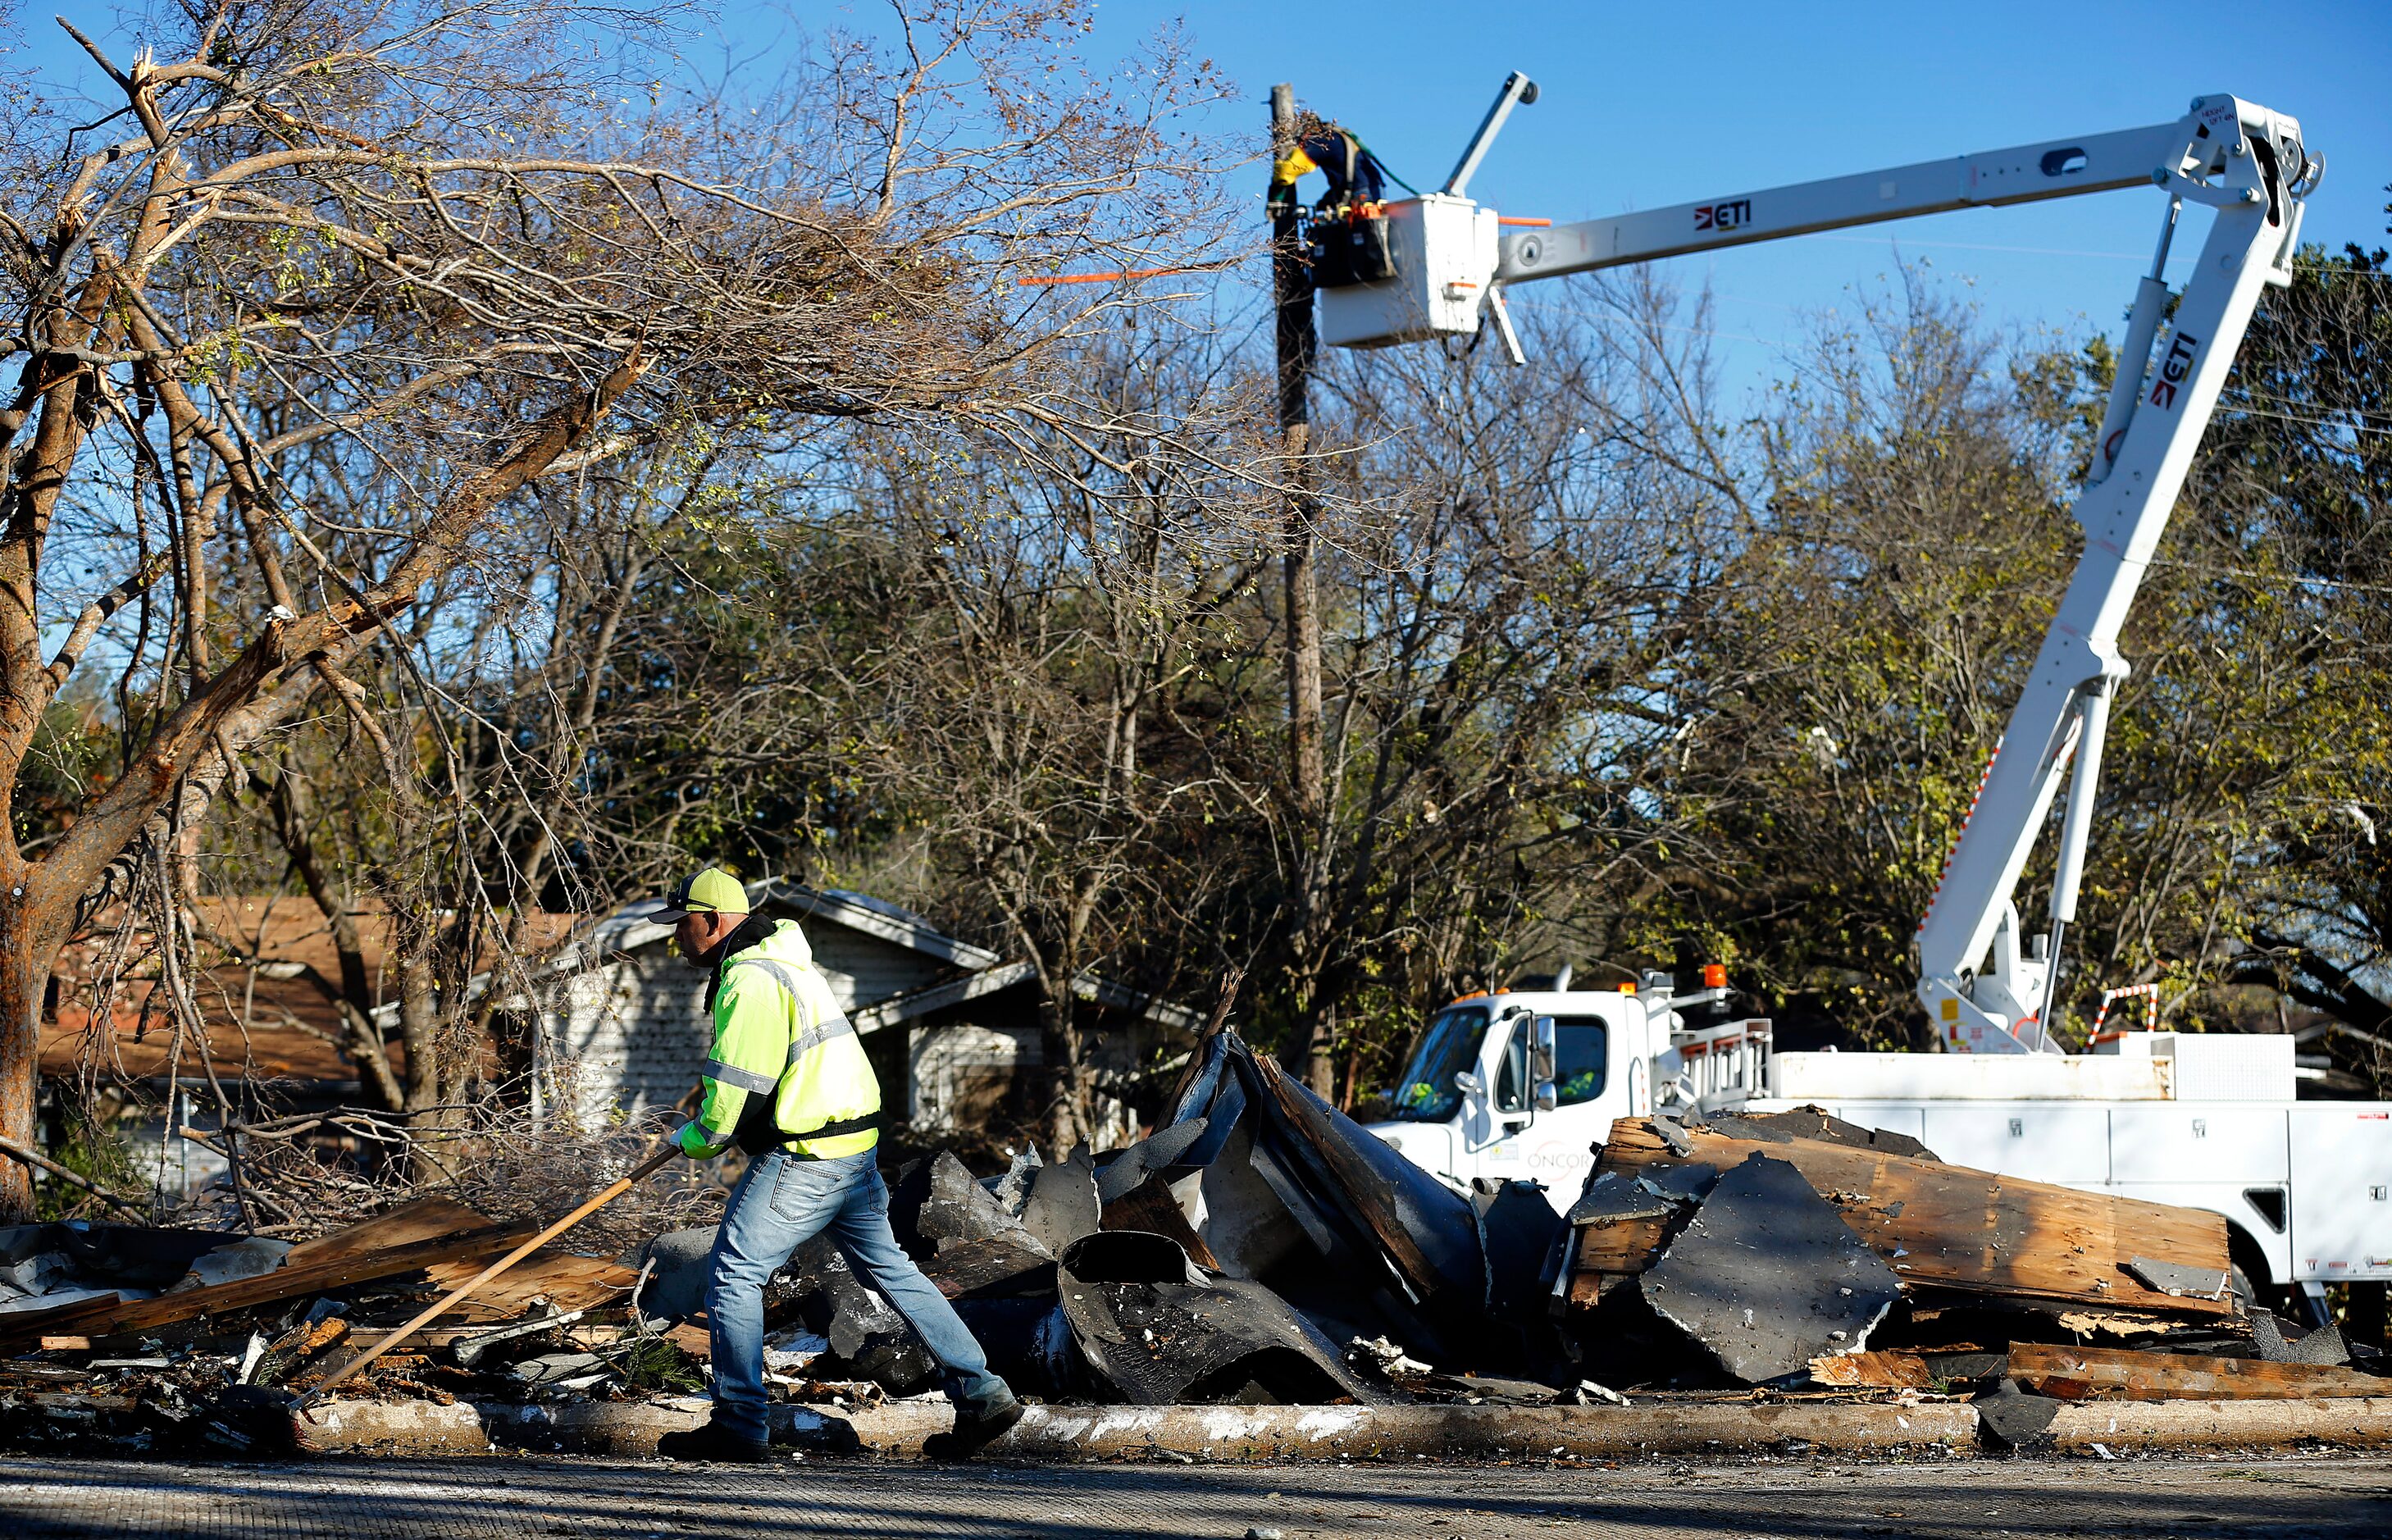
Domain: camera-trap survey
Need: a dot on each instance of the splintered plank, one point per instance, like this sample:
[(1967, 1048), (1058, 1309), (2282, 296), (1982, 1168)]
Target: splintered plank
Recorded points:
[(408, 1224), (1873, 1371), (563, 1279), (1972, 1230), (2120, 1374), (1622, 1246), (108, 1315)]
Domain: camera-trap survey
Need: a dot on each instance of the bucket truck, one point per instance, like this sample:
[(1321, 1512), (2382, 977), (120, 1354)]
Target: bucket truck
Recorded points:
[(1526, 1083)]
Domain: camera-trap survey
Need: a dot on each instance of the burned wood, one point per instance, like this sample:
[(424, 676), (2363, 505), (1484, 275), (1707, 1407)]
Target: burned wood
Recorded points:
[(565, 1280), (997, 1268), (1150, 1206), (2118, 1374)]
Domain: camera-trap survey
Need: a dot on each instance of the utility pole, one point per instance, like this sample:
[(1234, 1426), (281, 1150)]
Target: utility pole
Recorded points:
[(1296, 344)]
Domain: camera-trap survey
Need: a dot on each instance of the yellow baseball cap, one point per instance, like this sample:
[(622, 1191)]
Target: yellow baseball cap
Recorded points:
[(709, 890)]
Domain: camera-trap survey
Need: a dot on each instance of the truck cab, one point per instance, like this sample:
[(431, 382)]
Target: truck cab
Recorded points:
[(1524, 1084)]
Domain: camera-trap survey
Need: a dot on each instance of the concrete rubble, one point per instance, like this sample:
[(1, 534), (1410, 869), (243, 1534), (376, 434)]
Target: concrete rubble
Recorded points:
[(1259, 1277)]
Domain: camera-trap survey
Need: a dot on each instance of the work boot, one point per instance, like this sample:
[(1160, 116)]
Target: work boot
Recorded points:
[(711, 1440), (976, 1428)]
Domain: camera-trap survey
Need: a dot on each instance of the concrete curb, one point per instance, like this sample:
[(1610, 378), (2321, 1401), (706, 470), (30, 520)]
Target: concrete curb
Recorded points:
[(1059, 1434), (1067, 1434), (565, 1427), (2363, 1422)]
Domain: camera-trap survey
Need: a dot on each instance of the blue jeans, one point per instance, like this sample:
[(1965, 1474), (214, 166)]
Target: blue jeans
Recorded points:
[(782, 1203)]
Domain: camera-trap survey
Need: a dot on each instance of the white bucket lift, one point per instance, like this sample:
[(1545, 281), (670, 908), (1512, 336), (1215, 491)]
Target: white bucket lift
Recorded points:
[(1445, 250)]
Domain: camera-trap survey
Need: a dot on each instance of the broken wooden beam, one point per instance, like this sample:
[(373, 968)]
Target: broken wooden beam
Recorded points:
[(109, 1315), (2119, 1373), (1967, 1230)]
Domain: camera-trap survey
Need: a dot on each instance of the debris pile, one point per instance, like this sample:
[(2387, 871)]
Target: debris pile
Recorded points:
[(1794, 1251), (1258, 1248), (187, 1338)]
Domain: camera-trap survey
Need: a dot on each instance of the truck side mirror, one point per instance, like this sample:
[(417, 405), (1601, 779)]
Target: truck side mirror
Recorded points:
[(1548, 1096), (1468, 1083), (1541, 1058)]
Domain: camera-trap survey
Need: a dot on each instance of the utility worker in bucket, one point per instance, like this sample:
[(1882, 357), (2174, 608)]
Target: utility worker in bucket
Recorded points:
[(787, 1082)]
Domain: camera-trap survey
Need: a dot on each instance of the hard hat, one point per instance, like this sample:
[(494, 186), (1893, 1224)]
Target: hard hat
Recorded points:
[(709, 890)]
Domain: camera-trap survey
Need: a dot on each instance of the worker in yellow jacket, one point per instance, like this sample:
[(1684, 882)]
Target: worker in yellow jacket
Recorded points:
[(788, 1083)]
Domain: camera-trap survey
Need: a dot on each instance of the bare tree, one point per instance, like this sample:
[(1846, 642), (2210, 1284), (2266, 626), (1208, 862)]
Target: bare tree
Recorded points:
[(348, 281)]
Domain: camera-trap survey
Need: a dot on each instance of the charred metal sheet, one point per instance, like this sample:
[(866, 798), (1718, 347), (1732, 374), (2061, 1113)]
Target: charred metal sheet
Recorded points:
[(1523, 1238), (938, 1202), (2195, 1283), (1128, 1257), (1360, 1204), (1157, 1152), (1012, 1190), (1149, 1335), (1767, 1277), (1609, 1197), (1062, 1204), (2009, 1418), (1678, 1184)]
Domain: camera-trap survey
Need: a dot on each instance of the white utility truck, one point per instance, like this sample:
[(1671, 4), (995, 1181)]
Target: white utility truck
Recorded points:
[(1523, 1084)]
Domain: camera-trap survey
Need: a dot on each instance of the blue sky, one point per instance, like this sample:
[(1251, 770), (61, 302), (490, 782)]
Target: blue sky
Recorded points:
[(1647, 105)]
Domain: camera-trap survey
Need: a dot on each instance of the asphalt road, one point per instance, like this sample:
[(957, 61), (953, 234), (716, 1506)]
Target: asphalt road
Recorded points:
[(648, 1500)]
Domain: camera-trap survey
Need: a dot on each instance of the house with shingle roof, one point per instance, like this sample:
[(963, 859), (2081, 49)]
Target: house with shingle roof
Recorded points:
[(952, 1027)]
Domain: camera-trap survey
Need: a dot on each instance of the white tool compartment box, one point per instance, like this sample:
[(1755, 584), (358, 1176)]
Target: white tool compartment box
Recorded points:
[(1444, 253)]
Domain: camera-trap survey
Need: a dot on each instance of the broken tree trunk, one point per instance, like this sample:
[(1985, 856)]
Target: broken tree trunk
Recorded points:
[(2116, 1374), (1957, 1228)]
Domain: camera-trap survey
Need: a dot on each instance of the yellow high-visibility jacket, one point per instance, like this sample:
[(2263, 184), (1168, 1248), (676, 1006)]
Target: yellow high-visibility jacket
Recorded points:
[(779, 1033)]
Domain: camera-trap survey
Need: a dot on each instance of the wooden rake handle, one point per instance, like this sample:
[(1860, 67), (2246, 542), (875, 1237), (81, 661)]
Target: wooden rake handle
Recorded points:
[(598, 1201)]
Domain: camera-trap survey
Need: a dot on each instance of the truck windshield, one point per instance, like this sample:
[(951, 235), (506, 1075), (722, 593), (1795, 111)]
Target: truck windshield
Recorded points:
[(1426, 1093)]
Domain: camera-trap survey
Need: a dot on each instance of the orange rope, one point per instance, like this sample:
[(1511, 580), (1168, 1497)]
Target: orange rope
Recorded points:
[(1100, 278)]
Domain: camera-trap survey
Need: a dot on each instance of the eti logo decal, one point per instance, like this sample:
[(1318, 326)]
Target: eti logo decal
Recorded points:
[(1723, 217), (2174, 369)]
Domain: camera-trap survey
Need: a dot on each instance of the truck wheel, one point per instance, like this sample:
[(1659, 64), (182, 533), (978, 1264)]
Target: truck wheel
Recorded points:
[(2259, 1296)]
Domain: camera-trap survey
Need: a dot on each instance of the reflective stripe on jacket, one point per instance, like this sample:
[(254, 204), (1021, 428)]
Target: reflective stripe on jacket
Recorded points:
[(780, 1035)]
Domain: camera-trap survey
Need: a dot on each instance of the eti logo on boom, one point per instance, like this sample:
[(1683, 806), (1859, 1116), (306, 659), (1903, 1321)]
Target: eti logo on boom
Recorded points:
[(1723, 217), (2174, 369)]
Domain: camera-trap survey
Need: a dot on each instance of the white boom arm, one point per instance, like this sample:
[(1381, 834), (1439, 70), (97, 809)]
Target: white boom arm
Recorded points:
[(2057, 168), (2253, 168), (2245, 161), (2250, 165)]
